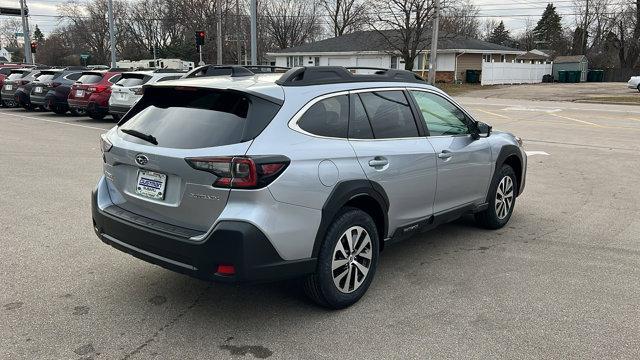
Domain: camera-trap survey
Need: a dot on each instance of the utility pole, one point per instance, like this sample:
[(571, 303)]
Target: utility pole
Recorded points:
[(25, 33), (254, 35), (434, 44), (219, 33), (583, 44), (238, 33), (112, 34)]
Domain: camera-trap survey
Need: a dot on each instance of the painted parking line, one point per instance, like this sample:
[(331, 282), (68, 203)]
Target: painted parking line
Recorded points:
[(536, 152), (521, 108), (577, 120), (493, 114), (54, 121)]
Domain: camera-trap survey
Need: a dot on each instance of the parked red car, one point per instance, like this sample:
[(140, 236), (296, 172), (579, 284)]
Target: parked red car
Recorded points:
[(91, 93)]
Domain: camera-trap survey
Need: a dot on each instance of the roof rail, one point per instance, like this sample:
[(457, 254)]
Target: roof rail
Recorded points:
[(219, 70), (260, 69), (166, 70), (319, 75)]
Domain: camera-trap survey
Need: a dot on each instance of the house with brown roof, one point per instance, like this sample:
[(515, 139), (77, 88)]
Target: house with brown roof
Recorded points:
[(456, 54)]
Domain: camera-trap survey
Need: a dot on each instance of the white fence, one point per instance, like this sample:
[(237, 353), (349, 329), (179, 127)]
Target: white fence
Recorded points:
[(494, 73)]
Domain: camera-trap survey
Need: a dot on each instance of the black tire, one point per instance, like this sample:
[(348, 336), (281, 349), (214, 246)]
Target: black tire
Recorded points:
[(59, 109), (78, 112), (116, 117), (489, 218), (638, 88), (320, 286), (96, 115)]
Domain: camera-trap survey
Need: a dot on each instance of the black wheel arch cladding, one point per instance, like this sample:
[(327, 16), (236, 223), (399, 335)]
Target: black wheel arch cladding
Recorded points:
[(348, 191), (507, 155)]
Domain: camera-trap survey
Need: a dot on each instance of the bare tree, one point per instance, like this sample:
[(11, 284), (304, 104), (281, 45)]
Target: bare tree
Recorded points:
[(487, 28), (8, 29), (291, 23), (461, 18), (345, 16), (404, 25)]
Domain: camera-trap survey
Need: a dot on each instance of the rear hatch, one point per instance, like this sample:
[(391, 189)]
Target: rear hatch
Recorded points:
[(42, 83), (128, 89), (86, 84), (152, 175), (14, 80)]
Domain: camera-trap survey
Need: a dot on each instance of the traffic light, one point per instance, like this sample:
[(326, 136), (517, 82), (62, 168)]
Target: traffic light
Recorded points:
[(200, 38), (34, 47)]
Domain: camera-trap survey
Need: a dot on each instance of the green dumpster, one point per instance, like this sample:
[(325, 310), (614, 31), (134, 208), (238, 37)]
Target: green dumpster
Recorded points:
[(591, 75), (599, 75), (562, 76), (473, 76), (577, 75)]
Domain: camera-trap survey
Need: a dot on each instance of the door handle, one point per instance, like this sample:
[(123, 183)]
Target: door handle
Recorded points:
[(445, 154), (378, 161)]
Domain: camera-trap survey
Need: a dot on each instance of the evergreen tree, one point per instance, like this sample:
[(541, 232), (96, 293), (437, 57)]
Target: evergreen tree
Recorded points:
[(500, 35), (548, 31), (38, 36)]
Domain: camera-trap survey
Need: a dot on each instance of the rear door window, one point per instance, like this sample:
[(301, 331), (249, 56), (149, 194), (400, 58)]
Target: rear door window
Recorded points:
[(390, 114), (328, 117), (90, 78), (359, 126), (198, 118)]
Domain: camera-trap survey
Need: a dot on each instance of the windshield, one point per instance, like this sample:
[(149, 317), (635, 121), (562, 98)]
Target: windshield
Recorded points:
[(15, 76), (128, 80), (90, 78)]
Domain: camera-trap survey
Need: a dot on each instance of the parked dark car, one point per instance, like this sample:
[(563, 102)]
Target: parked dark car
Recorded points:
[(5, 70), (56, 97), (11, 84), (49, 82), (92, 91), (22, 94)]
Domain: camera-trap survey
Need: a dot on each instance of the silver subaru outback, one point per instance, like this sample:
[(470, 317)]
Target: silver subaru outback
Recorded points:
[(307, 174)]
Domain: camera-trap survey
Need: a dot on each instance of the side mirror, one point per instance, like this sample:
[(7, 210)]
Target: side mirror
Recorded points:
[(482, 130)]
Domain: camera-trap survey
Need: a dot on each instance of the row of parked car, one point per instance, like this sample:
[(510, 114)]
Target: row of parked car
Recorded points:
[(96, 93), (92, 92)]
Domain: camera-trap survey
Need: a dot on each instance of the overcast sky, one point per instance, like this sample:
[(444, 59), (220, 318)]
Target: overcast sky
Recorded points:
[(514, 13)]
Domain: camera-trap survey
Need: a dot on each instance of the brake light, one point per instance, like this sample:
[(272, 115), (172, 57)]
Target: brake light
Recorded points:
[(97, 89), (241, 172), (138, 91)]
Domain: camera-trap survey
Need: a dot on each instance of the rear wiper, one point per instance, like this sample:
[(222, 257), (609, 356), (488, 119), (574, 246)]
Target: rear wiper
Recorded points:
[(139, 135)]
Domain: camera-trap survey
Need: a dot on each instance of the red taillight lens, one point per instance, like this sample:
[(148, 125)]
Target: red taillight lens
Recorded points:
[(241, 172), (138, 91), (226, 270)]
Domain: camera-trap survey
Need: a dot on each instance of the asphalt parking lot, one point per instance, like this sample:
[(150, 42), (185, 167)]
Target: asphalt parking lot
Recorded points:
[(561, 280)]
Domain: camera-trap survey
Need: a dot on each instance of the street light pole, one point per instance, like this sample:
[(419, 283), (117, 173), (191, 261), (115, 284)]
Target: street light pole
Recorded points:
[(25, 33), (434, 45), (254, 36), (112, 35)]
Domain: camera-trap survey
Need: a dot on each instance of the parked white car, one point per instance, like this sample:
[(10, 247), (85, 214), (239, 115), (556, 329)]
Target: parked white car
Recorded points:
[(128, 90), (634, 83)]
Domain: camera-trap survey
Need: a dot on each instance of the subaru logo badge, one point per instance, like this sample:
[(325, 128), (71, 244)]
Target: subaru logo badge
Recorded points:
[(142, 159)]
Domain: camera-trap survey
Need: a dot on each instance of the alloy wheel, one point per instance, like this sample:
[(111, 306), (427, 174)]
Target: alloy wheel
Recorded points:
[(351, 259), (504, 197)]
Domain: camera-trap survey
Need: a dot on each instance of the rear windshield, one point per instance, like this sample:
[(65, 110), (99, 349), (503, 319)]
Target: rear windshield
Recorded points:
[(5, 71), (47, 77), (90, 78), (14, 76), (133, 80), (198, 118)]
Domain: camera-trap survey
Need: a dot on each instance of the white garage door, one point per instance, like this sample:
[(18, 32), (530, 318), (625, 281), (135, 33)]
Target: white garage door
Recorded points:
[(373, 61), (340, 61)]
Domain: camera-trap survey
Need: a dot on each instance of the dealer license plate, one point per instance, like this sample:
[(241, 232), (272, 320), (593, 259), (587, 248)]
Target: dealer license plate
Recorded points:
[(8, 87), (151, 184), (38, 89), (79, 93)]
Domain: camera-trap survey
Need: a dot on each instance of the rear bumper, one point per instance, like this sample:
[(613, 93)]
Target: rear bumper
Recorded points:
[(37, 99), (8, 95), (236, 243), (118, 109)]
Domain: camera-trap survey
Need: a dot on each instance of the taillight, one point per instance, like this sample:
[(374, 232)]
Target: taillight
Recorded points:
[(138, 91), (241, 172), (97, 89), (105, 144)]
